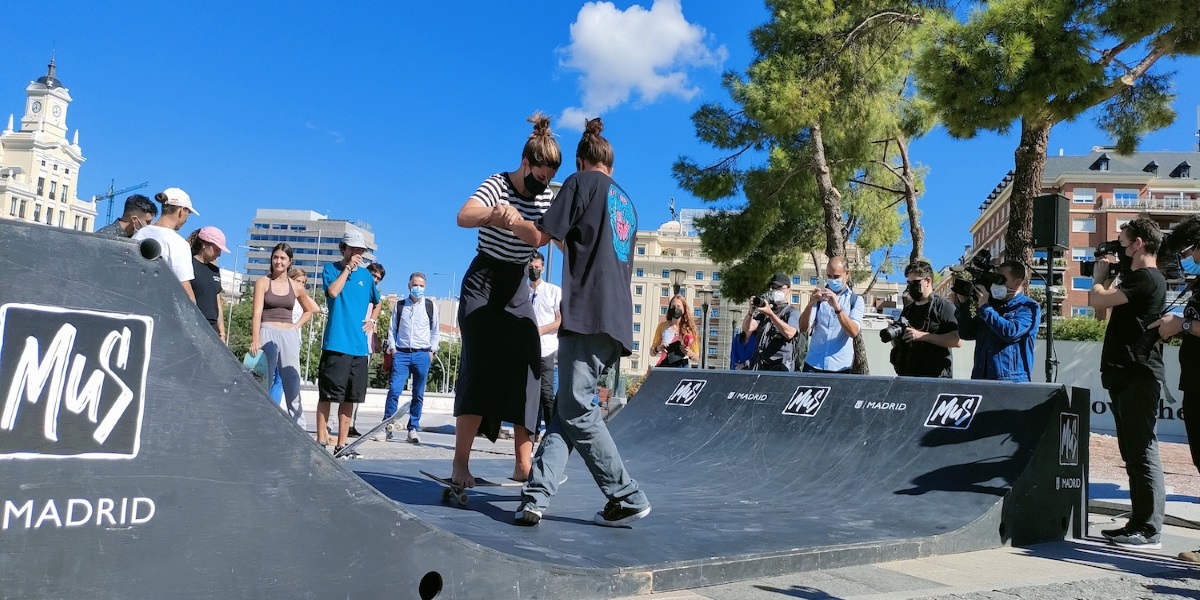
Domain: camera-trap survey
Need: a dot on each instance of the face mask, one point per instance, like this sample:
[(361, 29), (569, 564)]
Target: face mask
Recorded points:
[(674, 313), (535, 274), (417, 291), (999, 292), (533, 186), (834, 285), (915, 292), (778, 296), (1124, 260)]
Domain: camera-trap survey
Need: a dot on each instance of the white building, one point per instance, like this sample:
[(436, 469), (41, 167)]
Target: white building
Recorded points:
[(314, 239), (39, 168)]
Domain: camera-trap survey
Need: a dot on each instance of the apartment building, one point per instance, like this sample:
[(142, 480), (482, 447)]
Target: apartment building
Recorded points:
[(314, 239)]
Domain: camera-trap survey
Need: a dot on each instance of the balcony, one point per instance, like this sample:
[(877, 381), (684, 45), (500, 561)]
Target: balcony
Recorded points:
[(1039, 264), (1153, 204)]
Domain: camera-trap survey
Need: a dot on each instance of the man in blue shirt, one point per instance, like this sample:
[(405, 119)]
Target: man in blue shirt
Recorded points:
[(351, 296), (1004, 326), (834, 314)]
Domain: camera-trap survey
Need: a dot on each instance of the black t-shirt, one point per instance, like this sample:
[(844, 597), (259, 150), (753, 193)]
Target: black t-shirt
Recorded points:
[(1189, 352), (923, 359), (1121, 357), (597, 223), (207, 287)]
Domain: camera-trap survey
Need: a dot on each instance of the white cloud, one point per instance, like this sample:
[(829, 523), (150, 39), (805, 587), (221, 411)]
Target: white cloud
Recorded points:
[(620, 53)]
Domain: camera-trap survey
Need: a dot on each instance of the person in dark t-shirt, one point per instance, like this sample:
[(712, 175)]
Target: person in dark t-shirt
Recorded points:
[(923, 350), (207, 244), (596, 222), (1131, 369)]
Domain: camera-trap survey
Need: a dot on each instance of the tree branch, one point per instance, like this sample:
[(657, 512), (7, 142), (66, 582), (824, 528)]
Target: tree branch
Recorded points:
[(893, 17), (885, 165), (878, 187), (1067, 108)]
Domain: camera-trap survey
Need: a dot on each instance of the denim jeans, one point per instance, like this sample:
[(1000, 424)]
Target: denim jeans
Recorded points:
[(577, 425), (1135, 412), (404, 364)]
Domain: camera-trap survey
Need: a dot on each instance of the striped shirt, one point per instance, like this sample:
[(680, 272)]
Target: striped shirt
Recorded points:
[(500, 243)]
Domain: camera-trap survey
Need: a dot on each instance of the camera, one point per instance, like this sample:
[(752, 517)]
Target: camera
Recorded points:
[(894, 331), (977, 271), (1088, 269), (758, 301)]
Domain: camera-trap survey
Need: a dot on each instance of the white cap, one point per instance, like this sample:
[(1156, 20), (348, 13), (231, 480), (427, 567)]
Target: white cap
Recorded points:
[(354, 239), (178, 197)]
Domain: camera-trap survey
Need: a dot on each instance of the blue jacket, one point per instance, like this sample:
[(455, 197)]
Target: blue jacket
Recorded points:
[(1004, 337)]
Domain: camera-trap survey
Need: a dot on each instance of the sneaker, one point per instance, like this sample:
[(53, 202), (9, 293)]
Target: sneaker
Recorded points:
[(353, 432), (1137, 541), (1192, 556), (413, 438), (1112, 533), (616, 514), (528, 515), (353, 453)]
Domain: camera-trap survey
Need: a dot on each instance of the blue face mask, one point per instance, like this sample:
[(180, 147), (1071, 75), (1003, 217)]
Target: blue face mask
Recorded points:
[(417, 291), (834, 285)]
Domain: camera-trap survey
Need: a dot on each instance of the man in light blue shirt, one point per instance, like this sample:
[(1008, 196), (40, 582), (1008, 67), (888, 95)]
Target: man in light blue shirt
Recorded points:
[(834, 315), (413, 338)]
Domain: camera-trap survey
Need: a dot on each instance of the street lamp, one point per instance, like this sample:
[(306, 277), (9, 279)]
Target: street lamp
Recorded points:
[(735, 317), (704, 296), (677, 276), (229, 318)]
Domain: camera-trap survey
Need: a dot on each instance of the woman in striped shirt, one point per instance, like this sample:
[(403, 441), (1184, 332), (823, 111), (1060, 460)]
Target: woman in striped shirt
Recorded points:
[(499, 376)]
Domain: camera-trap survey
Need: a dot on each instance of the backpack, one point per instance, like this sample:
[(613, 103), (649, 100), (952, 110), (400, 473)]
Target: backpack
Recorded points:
[(428, 311)]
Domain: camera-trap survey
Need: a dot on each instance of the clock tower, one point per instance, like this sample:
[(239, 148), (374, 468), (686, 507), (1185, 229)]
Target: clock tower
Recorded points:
[(46, 105)]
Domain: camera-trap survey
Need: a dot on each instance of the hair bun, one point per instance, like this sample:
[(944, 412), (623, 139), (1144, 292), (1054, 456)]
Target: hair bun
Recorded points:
[(541, 123), (593, 127), (161, 198)]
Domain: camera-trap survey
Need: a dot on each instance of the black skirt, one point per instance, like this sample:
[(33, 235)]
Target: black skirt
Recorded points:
[(500, 370)]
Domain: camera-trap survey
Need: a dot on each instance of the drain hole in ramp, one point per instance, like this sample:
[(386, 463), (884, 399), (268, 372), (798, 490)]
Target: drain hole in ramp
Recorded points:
[(431, 586)]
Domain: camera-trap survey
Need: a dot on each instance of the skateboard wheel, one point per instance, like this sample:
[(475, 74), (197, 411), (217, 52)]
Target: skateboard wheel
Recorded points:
[(462, 498), (446, 495), (390, 427)]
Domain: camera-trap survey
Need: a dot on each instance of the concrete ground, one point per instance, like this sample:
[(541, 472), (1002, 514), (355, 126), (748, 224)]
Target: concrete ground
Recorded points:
[(1083, 569)]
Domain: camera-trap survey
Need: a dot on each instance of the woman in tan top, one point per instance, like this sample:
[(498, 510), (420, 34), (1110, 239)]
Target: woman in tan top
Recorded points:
[(272, 328)]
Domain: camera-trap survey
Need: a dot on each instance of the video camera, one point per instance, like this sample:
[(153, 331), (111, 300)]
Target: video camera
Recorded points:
[(1088, 269), (977, 271)]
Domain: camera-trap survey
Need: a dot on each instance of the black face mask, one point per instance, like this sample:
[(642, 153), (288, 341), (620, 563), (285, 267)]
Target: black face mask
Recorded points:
[(533, 186), (1124, 261), (535, 274), (673, 313), (914, 291)]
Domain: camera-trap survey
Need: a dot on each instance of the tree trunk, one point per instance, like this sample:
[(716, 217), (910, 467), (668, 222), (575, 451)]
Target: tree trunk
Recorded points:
[(1027, 185), (831, 198), (910, 202)]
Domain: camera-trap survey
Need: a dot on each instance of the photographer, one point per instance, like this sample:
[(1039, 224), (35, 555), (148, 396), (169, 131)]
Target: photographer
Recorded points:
[(1132, 372), (1185, 238), (1004, 325), (835, 315), (926, 331), (775, 322)]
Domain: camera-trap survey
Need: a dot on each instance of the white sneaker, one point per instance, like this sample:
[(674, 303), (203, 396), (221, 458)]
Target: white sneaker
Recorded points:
[(413, 438)]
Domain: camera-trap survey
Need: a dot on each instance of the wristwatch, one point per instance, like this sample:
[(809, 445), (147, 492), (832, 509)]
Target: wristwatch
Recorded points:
[(1187, 325)]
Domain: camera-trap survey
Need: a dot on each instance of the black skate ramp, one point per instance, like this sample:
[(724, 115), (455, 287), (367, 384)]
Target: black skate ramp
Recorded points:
[(139, 460)]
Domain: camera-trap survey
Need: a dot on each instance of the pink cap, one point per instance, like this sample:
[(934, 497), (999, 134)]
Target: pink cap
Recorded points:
[(213, 236)]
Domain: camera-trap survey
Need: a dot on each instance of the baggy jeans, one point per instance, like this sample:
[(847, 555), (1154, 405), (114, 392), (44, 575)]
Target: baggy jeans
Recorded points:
[(1135, 413), (577, 425), (282, 347)]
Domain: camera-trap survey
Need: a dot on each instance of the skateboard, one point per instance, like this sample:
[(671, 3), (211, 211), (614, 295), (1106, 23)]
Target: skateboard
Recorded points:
[(459, 494), (389, 424)]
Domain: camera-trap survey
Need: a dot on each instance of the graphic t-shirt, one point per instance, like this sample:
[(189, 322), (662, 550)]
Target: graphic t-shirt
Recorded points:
[(207, 287), (597, 223), (344, 331), (175, 249), (1121, 357)]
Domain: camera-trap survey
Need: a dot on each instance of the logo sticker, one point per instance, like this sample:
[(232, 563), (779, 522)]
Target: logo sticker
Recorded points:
[(806, 401), (876, 405), (1068, 440), (76, 382), (686, 392), (953, 411)]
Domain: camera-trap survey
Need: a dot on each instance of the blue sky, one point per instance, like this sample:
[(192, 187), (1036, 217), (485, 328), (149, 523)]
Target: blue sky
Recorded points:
[(392, 113)]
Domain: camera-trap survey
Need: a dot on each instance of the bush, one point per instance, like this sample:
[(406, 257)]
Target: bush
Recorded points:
[(1080, 329)]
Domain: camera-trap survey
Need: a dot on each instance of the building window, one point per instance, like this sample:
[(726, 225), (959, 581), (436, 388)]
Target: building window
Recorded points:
[(1081, 254), (62, 215), (637, 290), (68, 171), (1083, 196), (795, 298), (1081, 283), (812, 280), (1125, 197), (37, 212), (662, 310), (261, 226), (297, 228), (795, 280), (21, 212), (1083, 225), (666, 273), (76, 221), (712, 332), (637, 327), (641, 272), (49, 216), (712, 351), (697, 313), (633, 365), (53, 188), (716, 312), (86, 224), (716, 276), (699, 275), (666, 292), (64, 193), (12, 208), (641, 250), (1121, 223), (637, 309), (41, 185), (636, 346), (1083, 311)]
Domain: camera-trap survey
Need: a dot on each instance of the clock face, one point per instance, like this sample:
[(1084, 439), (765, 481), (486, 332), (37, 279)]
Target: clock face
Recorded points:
[(37, 107), (57, 110)]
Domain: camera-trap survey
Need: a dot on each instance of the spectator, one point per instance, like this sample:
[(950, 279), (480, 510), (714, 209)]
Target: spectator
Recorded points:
[(742, 350), (139, 212), (776, 324), (546, 299), (1131, 369), (207, 244), (499, 376), (596, 223), (675, 340), (177, 206), (273, 330), (413, 337), (923, 350), (834, 314), (1004, 326)]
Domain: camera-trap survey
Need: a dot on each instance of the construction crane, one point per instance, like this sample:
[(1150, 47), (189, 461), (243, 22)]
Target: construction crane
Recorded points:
[(112, 193)]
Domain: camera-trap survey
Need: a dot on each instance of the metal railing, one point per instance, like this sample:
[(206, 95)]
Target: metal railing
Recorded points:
[(1153, 203)]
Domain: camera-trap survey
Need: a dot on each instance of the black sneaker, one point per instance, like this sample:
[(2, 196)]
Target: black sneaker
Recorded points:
[(1137, 541), (1112, 533), (338, 450), (353, 432), (616, 514)]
